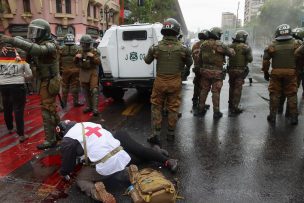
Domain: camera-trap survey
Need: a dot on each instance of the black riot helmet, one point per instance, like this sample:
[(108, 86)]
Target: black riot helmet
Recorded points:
[(203, 35), (86, 42), (170, 27), (298, 33), (215, 33), (240, 36), (39, 30), (69, 39), (283, 32), (63, 127)]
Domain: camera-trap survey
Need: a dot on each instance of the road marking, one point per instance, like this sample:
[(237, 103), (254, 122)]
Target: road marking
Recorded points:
[(132, 109)]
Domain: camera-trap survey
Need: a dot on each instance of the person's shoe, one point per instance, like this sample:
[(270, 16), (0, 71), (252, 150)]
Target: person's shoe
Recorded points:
[(154, 140), (22, 138), (87, 110), (132, 171), (172, 164), (271, 119), (217, 115), (103, 195), (207, 106), (46, 145), (95, 113), (160, 150), (294, 120), (200, 112), (235, 111), (78, 104)]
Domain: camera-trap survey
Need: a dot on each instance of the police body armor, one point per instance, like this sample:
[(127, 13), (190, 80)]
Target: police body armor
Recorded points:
[(238, 61), (212, 54), (170, 57), (67, 55), (283, 54), (48, 67)]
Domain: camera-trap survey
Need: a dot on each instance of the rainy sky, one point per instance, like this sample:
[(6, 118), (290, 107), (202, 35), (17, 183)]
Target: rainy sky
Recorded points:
[(204, 14)]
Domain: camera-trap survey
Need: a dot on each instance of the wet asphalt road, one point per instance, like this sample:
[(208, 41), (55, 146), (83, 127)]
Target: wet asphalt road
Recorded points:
[(234, 159)]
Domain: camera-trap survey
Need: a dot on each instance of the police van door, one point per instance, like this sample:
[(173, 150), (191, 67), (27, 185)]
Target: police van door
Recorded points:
[(133, 45)]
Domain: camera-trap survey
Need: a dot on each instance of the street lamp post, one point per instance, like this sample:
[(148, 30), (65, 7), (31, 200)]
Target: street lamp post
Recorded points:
[(103, 17)]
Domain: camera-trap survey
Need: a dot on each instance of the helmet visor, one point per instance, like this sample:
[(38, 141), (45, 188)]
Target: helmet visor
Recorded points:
[(35, 32)]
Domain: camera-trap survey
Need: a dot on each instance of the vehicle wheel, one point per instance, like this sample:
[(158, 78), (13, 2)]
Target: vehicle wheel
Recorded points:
[(114, 92)]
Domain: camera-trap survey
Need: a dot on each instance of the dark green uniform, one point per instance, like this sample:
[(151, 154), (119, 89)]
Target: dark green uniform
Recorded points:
[(238, 70), (70, 73), (88, 77), (171, 58), (283, 76), (212, 58), (197, 79), (45, 55)]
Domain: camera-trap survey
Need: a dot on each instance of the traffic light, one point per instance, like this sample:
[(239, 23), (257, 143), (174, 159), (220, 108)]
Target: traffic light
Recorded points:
[(141, 2)]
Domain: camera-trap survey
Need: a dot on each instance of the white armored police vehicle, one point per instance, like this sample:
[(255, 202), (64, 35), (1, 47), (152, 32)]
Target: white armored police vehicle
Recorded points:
[(123, 49)]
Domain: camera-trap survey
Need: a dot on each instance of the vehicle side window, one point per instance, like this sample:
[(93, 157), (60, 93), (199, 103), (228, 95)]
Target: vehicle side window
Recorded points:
[(134, 35)]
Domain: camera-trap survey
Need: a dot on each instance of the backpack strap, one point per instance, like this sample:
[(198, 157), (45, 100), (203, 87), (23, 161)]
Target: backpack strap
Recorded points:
[(108, 155), (85, 146)]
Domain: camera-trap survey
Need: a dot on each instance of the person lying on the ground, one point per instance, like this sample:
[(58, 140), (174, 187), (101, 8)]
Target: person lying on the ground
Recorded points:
[(105, 156)]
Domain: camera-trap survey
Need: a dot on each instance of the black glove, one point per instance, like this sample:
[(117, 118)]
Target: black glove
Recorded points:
[(266, 76)]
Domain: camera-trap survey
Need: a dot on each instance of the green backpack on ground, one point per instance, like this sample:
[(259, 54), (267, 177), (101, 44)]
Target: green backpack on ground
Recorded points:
[(149, 185)]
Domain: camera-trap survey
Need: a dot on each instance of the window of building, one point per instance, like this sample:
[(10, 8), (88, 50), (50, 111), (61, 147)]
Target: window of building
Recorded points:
[(26, 6), (58, 6), (95, 12), (68, 6), (134, 35), (89, 10)]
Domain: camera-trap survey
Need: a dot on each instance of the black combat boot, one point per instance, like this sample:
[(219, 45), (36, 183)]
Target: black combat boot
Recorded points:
[(217, 115), (170, 135), (160, 150), (271, 118), (294, 120), (172, 165), (154, 139)]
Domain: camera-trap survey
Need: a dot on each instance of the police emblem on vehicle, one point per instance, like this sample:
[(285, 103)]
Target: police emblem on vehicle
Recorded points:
[(133, 56)]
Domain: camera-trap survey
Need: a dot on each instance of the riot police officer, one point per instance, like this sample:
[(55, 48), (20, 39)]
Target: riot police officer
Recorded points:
[(211, 61), (70, 73), (87, 59), (298, 34), (238, 70), (283, 77), (171, 58), (202, 36), (45, 53)]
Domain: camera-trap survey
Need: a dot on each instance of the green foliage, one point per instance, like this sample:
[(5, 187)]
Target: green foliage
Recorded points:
[(274, 13), (152, 11)]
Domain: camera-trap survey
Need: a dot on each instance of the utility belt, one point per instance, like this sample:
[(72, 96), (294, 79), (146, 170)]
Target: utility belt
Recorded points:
[(212, 67), (236, 67), (103, 159)]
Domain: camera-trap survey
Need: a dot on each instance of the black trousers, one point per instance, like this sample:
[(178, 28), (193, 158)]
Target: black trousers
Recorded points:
[(138, 152), (14, 98)]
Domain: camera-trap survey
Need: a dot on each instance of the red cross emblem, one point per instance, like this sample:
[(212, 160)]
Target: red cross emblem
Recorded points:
[(94, 130)]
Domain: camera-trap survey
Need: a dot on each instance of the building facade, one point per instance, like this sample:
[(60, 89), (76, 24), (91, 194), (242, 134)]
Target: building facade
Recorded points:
[(65, 16), (252, 9), (228, 20)]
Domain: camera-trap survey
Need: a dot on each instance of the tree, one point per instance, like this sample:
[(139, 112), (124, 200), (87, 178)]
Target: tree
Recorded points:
[(152, 11), (274, 13)]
